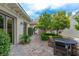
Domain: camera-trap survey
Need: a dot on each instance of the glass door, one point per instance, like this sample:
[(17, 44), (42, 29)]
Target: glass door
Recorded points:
[(10, 28), (1, 22)]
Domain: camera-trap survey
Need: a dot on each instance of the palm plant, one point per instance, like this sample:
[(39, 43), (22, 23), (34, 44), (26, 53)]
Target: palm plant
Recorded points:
[(24, 38)]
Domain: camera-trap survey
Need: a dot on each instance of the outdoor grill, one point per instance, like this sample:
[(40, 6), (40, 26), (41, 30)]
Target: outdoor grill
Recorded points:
[(64, 46)]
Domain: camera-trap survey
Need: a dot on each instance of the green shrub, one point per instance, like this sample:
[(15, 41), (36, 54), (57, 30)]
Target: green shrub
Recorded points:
[(24, 38), (43, 37), (53, 35), (50, 34), (57, 36), (4, 43)]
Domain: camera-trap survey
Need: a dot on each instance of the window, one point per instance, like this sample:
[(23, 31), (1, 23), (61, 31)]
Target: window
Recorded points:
[(1, 22)]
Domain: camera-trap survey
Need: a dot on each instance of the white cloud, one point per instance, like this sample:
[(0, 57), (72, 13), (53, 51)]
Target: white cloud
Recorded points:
[(37, 5), (42, 4)]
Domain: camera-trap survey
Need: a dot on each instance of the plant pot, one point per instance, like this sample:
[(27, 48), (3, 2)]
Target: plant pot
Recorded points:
[(24, 43), (50, 42)]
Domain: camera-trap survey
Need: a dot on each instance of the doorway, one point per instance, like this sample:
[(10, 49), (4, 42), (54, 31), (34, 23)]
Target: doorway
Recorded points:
[(8, 23), (1, 22), (10, 29), (25, 27)]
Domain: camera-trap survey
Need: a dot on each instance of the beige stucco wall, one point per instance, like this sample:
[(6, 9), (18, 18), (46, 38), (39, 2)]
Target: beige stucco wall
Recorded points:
[(18, 21)]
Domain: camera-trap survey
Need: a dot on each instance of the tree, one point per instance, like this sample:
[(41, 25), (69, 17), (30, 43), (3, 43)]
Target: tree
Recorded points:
[(77, 20), (59, 21), (44, 21)]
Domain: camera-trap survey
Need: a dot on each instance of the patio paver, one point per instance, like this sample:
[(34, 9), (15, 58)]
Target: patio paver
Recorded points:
[(35, 48)]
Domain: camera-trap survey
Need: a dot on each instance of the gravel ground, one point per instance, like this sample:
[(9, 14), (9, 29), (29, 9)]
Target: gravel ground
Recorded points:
[(35, 48)]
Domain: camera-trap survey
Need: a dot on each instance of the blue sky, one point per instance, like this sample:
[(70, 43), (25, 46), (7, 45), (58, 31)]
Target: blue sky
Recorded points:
[(36, 7)]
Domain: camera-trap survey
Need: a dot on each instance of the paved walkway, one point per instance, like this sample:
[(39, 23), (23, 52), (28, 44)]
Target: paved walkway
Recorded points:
[(35, 48)]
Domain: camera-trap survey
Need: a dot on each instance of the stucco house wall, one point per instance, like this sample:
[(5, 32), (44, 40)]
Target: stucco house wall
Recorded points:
[(18, 23)]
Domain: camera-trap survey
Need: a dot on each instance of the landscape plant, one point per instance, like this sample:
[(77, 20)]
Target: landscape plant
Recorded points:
[(44, 21), (4, 43), (59, 21), (43, 36), (24, 38), (53, 22)]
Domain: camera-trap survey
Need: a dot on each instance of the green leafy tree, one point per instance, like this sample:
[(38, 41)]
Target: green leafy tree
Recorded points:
[(77, 20), (59, 21), (44, 21)]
